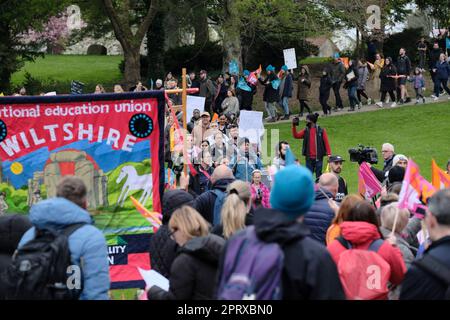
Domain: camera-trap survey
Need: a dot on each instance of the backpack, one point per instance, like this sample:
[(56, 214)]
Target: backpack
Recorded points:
[(437, 269), (220, 199), (364, 274), (252, 269), (39, 269)]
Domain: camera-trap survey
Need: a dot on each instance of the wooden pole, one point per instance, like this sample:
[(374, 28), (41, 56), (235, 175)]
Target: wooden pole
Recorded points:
[(184, 98)]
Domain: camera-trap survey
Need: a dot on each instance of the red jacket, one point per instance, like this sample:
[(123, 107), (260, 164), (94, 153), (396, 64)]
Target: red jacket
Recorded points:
[(312, 140), (361, 234)]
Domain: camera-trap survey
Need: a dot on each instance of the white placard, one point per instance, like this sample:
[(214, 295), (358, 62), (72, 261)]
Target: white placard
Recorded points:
[(153, 278), (192, 103), (251, 125), (290, 59)]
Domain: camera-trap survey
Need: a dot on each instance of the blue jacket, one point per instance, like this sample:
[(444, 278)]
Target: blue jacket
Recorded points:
[(442, 70), (319, 217), (87, 242), (243, 167)]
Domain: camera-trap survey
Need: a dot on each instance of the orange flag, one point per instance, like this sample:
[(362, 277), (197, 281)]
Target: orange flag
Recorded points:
[(439, 178), (215, 117)]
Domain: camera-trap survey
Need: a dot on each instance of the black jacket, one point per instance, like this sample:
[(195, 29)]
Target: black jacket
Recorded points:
[(309, 271), (319, 216), (404, 65), (387, 83), (418, 284), (12, 228), (270, 94), (162, 251), (325, 85), (204, 203), (246, 97), (381, 174), (434, 57), (193, 271), (354, 81), (195, 184)]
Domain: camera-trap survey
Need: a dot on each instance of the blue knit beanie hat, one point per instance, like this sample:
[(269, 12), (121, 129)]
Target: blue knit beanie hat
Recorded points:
[(270, 68), (246, 73), (284, 68), (293, 191)]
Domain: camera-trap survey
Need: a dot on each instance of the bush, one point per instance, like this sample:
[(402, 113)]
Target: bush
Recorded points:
[(194, 57), (406, 39)]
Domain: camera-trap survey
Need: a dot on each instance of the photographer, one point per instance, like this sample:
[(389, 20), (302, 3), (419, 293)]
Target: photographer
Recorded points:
[(387, 151), (315, 143)]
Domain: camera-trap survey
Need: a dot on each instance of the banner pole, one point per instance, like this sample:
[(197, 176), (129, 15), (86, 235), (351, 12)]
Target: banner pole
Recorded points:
[(184, 98)]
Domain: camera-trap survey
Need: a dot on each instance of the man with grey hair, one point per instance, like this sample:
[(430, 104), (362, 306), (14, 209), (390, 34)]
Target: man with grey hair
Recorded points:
[(387, 151), (86, 243), (429, 277), (320, 215), (209, 203)]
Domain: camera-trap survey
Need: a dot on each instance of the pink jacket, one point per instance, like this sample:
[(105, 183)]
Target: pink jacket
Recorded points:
[(265, 195)]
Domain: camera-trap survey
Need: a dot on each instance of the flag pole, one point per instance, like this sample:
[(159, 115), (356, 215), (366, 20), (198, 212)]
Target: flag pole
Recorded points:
[(184, 98)]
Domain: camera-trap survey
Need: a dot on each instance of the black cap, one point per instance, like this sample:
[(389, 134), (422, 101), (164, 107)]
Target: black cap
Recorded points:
[(336, 159)]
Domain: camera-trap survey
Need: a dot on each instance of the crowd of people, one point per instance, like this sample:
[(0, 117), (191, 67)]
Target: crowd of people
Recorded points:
[(234, 229)]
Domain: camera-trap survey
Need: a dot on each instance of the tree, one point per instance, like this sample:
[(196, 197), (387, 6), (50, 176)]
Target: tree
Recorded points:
[(356, 14), (243, 21), (16, 19), (438, 9), (129, 20)]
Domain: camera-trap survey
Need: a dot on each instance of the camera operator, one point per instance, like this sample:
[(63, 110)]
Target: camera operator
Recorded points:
[(387, 151), (315, 143), (336, 168)]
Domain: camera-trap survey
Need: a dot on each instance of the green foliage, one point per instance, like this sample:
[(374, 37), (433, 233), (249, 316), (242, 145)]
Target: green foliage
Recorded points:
[(16, 199), (406, 39), (438, 9), (16, 18), (194, 57)]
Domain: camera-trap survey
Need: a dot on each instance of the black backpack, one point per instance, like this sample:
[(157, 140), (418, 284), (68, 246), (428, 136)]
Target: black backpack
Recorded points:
[(39, 269), (437, 269)]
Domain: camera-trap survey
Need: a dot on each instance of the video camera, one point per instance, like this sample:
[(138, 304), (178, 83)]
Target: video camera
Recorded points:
[(363, 154)]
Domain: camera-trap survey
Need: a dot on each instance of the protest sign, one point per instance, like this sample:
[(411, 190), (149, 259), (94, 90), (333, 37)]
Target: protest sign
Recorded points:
[(290, 59), (192, 103), (251, 125), (113, 142), (234, 67), (76, 87)]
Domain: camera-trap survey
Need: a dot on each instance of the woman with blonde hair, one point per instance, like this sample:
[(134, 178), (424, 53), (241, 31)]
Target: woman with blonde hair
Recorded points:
[(195, 267), (347, 204), (236, 209)]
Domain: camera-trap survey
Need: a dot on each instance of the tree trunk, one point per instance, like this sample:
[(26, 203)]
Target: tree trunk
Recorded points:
[(132, 67), (200, 23), (155, 47), (231, 37)]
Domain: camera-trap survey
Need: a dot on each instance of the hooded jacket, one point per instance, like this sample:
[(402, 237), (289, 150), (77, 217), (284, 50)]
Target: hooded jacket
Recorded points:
[(87, 243), (193, 272), (270, 94), (309, 273), (420, 285), (204, 203), (361, 235), (320, 216), (12, 228), (303, 85), (162, 248), (442, 70)]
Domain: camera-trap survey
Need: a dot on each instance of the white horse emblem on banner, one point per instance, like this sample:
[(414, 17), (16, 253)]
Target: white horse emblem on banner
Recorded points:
[(134, 182)]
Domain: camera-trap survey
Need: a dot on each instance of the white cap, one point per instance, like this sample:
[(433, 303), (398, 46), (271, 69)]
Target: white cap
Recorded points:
[(159, 81)]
